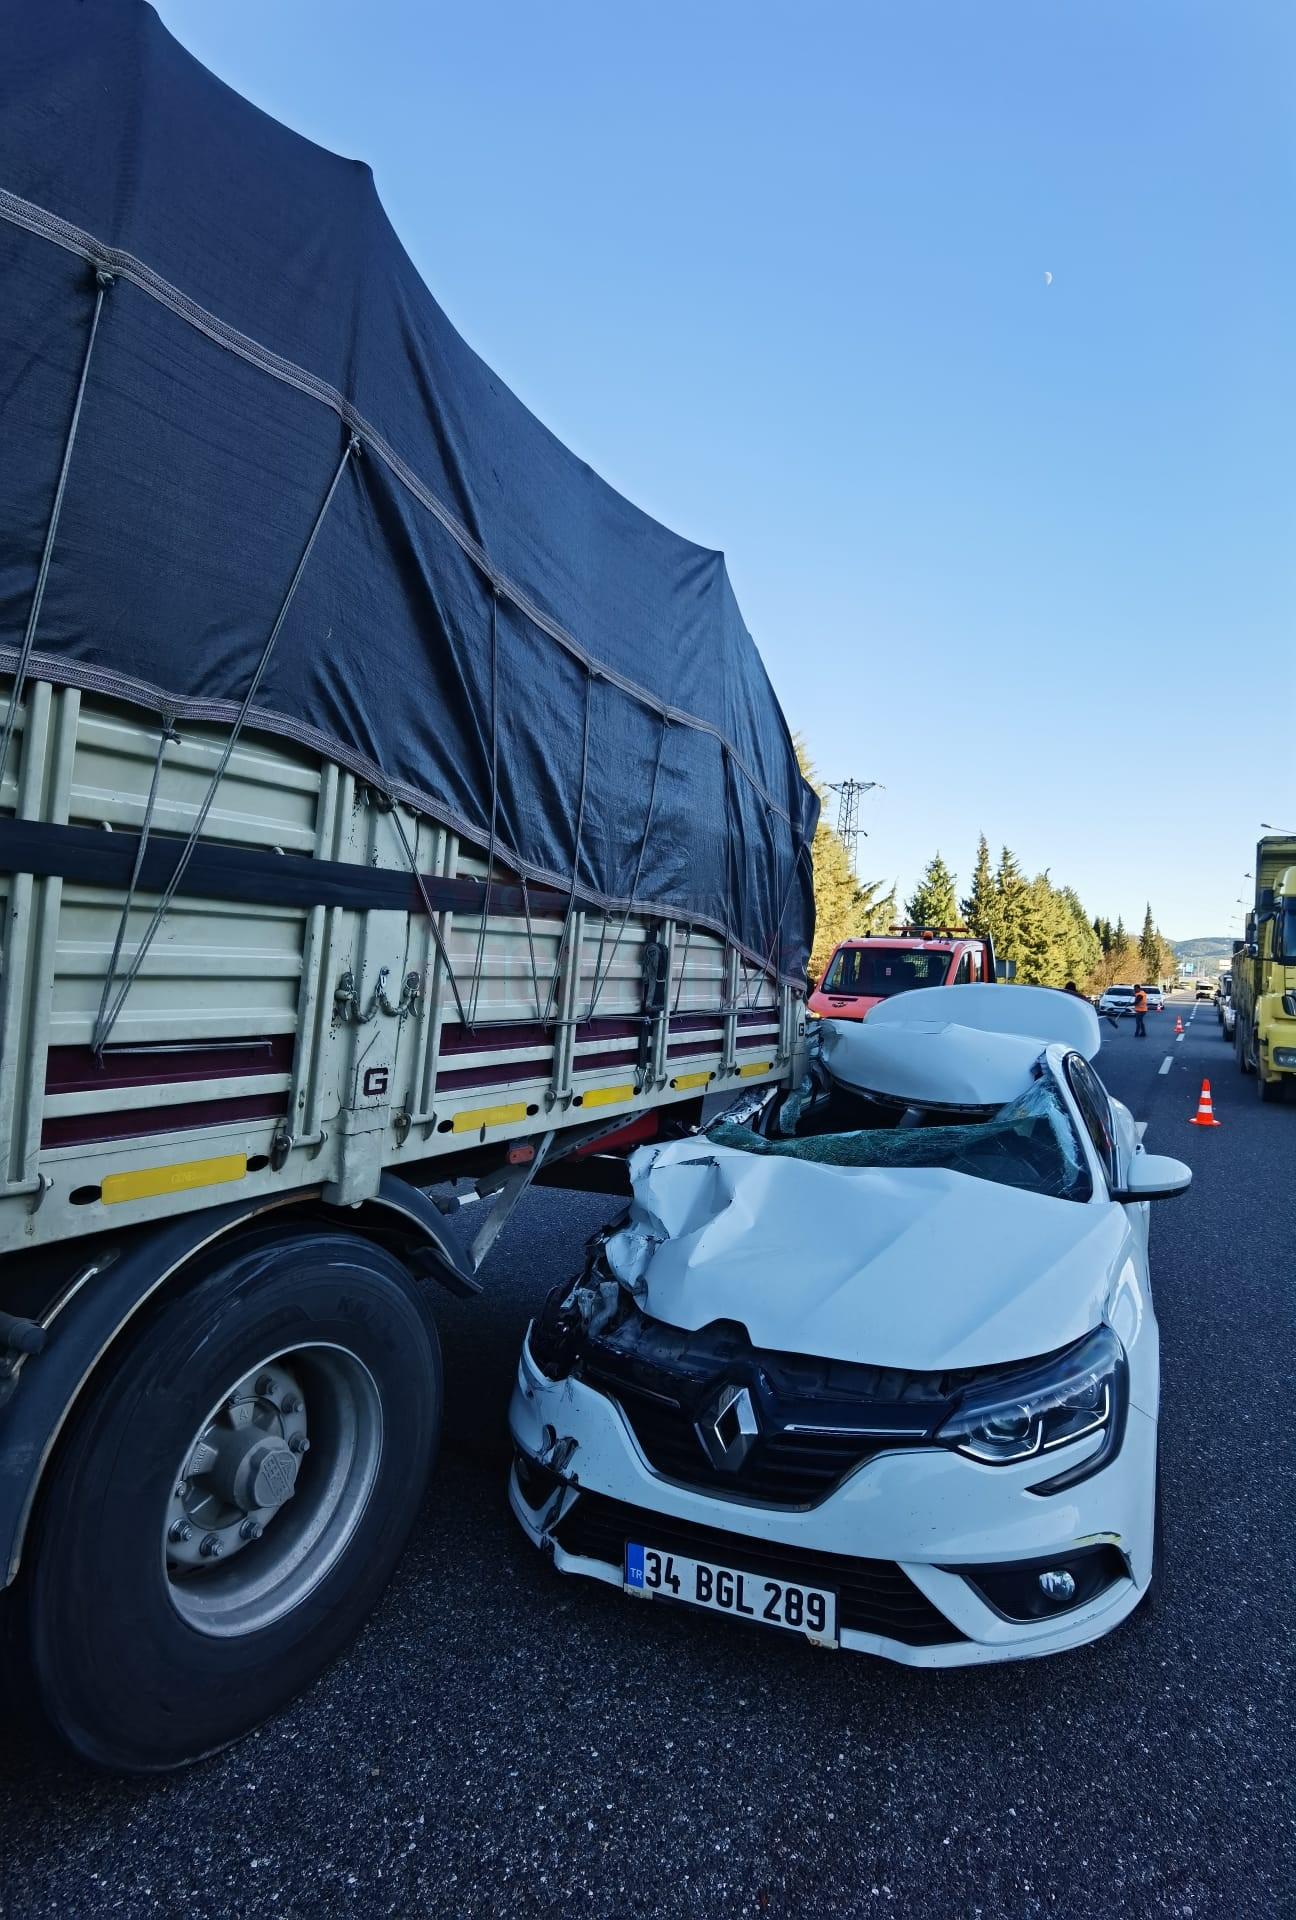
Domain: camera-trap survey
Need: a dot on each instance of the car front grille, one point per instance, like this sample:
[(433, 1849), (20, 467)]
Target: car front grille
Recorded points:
[(784, 1469), (873, 1596), (816, 1420)]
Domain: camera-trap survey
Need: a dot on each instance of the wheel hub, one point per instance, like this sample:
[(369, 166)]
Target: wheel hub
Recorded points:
[(240, 1470)]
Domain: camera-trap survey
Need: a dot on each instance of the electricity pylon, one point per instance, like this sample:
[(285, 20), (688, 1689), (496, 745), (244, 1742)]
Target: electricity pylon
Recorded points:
[(848, 828)]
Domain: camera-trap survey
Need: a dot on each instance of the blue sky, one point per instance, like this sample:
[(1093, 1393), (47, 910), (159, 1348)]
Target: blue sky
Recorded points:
[(1023, 553)]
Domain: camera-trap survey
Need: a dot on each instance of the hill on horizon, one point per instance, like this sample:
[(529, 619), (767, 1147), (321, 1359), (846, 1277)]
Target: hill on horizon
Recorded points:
[(1207, 947)]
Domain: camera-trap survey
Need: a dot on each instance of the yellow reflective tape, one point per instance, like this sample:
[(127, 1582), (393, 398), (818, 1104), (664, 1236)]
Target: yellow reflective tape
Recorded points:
[(489, 1117), (690, 1079), (607, 1096), (757, 1066), (147, 1182)]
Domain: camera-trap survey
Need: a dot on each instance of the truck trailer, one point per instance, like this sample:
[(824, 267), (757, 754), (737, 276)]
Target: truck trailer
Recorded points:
[(391, 816)]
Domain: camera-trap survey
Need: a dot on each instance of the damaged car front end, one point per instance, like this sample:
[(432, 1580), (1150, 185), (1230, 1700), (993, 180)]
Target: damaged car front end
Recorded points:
[(891, 1386)]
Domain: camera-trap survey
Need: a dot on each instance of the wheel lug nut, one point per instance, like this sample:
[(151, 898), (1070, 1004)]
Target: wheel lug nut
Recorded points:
[(299, 1443), (292, 1404), (210, 1548), (182, 1489), (180, 1530), (265, 1384), (251, 1530)]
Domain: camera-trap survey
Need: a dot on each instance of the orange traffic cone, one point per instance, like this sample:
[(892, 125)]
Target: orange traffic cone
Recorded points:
[(1178, 1027), (1205, 1115)]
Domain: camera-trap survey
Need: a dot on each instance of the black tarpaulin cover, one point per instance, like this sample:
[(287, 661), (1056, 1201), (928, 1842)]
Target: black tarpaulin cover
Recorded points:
[(476, 598)]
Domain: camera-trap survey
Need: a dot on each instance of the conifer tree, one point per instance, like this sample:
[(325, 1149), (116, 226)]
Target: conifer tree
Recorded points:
[(981, 908), (1010, 891), (1150, 946), (934, 902)]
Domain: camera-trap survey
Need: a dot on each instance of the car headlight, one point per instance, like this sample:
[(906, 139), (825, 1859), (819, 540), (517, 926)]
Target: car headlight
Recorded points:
[(1074, 1393)]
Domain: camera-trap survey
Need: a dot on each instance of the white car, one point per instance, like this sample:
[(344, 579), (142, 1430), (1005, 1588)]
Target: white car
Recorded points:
[(1228, 1016), (1116, 1000), (1155, 999), (890, 1384)]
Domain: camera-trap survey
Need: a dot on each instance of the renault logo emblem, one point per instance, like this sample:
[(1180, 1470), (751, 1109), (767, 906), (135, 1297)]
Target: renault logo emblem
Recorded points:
[(730, 1429)]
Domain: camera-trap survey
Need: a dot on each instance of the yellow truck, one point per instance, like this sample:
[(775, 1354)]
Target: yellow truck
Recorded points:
[(1264, 972)]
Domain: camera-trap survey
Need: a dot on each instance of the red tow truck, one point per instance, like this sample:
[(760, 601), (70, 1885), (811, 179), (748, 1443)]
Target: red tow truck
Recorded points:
[(862, 972)]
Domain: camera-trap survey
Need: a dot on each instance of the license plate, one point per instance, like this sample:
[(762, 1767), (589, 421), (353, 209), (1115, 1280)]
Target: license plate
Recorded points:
[(653, 1574)]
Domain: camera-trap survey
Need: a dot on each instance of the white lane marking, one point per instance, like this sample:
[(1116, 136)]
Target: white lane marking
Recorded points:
[(1166, 1064)]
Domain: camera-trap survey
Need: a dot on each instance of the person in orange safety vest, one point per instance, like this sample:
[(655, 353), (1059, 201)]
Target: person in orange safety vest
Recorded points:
[(1140, 1008)]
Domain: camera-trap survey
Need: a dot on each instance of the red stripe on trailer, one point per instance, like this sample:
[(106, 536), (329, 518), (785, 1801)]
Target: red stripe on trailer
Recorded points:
[(79, 1070), (132, 1123)]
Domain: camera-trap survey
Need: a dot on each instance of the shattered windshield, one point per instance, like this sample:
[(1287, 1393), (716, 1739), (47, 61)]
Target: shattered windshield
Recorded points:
[(878, 972), (1029, 1143)]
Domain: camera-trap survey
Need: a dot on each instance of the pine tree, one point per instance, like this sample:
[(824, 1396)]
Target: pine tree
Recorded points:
[(1015, 915), (1150, 946), (934, 903), (1083, 947), (981, 908), (1124, 956)]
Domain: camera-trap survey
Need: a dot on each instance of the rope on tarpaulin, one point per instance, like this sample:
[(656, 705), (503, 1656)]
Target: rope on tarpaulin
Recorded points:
[(590, 678), (102, 281), (634, 884), (494, 804), (98, 1038), (421, 884), (109, 1020)]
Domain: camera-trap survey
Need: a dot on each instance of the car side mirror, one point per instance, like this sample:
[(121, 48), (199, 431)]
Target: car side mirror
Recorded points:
[(1253, 951), (1153, 1176)]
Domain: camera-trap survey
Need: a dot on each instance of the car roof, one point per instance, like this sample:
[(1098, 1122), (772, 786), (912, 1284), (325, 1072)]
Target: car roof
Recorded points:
[(977, 1048)]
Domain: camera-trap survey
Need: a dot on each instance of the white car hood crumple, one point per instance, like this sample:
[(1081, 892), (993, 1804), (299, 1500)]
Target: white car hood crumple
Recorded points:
[(914, 1267)]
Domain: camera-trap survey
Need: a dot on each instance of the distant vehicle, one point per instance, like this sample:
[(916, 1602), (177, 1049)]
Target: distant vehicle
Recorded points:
[(1228, 1017), (862, 973), (944, 1460), (1223, 992), (1204, 990), (1155, 999), (1116, 1000), (1264, 972)]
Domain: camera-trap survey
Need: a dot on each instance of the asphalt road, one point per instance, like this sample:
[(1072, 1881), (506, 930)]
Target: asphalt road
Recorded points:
[(502, 1740)]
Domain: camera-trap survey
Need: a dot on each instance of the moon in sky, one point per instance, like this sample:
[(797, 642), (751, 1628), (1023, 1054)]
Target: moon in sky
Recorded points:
[(1048, 279)]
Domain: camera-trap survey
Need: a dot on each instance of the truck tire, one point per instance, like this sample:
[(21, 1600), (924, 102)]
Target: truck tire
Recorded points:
[(231, 1501), (1269, 1090), (1240, 1047)]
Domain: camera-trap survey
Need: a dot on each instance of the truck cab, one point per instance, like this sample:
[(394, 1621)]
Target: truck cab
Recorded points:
[(864, 971), (1264, 973)]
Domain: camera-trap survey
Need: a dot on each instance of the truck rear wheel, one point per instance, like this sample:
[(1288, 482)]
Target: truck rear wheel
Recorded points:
[(1240, 1047), (239, 1484)]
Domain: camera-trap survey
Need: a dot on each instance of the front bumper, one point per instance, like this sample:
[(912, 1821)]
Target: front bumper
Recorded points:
[(1277, 1037), (920, 1514)]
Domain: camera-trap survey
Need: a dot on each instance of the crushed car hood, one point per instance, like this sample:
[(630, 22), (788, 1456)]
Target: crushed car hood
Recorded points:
[(908, 1267)]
